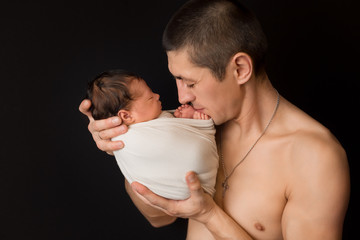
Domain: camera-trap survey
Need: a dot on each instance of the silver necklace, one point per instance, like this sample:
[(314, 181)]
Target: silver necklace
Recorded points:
[(225, 184)]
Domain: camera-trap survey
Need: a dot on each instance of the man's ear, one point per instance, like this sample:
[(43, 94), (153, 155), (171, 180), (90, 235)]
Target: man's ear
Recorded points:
[(242, 67), (126, 116)]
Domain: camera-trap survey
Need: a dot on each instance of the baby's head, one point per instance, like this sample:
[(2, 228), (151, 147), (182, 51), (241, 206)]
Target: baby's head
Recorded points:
[(124, 94)]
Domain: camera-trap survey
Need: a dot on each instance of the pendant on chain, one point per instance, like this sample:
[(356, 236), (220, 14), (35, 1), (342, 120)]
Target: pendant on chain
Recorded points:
[(225, 186)]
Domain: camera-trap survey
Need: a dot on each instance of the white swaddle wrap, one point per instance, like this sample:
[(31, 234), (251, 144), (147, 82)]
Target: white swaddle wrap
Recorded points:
[(159, 153)]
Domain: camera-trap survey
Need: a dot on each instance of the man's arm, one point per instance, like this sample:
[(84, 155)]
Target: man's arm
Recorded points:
[(200, 207), (156, 217), (318, 190)]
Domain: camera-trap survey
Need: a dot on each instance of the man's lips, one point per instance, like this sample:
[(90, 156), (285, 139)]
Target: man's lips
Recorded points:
[(199, 109)]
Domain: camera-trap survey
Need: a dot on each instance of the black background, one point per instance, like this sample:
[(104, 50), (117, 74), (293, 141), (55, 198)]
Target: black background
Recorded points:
[(55, 183)]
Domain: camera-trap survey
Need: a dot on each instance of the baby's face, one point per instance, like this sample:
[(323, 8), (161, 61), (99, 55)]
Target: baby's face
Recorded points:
[(146, 105)]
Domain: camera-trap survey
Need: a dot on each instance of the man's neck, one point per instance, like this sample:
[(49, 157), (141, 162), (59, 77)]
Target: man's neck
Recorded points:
[(259, 102)]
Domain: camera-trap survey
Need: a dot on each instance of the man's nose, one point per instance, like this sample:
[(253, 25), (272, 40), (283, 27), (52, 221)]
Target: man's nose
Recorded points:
[(184, 94)]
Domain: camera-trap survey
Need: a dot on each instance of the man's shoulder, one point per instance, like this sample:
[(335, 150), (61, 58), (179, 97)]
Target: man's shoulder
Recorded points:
[(315, 151), (315, 141), (310, 140)]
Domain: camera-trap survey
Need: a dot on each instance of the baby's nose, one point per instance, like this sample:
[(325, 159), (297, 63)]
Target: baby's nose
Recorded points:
[(157, 96)]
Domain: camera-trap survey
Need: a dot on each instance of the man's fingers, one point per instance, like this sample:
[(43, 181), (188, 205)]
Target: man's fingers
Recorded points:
[(104, 130), (84, 108), (150, 197), (144, 191), (193, 183), (99, 125), (109, 146), (104, 142), (107, 134)]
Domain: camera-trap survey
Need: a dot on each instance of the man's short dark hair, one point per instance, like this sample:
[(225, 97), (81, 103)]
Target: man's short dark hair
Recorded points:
[(212, 31)]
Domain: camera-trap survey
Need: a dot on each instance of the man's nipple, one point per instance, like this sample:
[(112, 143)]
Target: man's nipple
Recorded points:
[(259, 227)]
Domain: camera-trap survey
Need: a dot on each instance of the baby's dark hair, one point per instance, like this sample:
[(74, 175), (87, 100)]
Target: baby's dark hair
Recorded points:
[(109, 92)]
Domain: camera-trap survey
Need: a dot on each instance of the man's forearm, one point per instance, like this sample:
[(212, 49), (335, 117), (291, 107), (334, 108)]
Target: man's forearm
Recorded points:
[(156, 217), (222, 226)]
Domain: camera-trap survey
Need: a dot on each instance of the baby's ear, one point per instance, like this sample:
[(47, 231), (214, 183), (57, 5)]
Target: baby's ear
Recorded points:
[(126, 117)]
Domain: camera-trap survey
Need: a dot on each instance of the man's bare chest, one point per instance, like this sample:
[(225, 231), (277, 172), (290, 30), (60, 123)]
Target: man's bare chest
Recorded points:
[(254, 196)]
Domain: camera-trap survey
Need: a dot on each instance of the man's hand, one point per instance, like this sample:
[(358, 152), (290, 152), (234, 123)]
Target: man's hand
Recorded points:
[(199, 206), (103, 130)]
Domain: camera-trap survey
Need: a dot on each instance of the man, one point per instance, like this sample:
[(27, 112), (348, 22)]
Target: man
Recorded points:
[(282, 175)]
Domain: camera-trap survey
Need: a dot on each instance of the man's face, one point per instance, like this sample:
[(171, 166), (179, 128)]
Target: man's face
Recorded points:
[(146, 105), (197, 85)]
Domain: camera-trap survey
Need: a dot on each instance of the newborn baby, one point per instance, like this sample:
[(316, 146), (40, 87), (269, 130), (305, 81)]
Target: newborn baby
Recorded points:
[(160, 146)]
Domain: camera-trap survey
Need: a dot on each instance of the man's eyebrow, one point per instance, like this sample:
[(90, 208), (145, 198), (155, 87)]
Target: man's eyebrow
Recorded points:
[(183, 78)]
